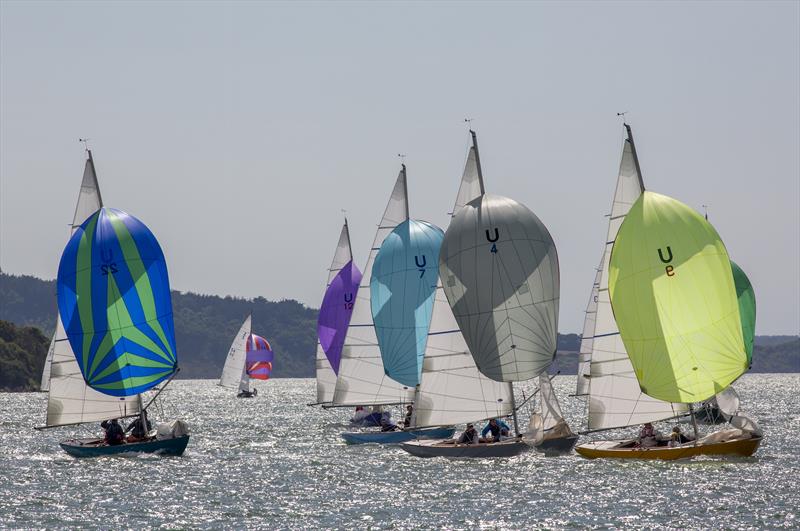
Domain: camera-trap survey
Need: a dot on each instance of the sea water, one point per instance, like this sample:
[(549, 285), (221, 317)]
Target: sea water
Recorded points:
[(273, 462)]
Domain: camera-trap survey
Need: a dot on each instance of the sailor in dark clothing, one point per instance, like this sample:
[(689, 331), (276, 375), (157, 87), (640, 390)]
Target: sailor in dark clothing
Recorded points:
[(498, 428), (470, 435), (140, 427), (114, 432)]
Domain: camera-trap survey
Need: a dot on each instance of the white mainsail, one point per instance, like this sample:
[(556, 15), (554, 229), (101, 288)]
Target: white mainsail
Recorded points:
[(233, 372), (48, 361), (362, 380), (70, 400), (452, 390), (615, 399), (587, 337), (326, 378)]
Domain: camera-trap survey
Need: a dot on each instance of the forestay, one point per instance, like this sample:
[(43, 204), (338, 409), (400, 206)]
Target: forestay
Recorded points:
[(402, 289), (334, 315), (499, 270), (114, 301), (615, 399), (674, 298), (362, 379), (233, 372), (452, 390)]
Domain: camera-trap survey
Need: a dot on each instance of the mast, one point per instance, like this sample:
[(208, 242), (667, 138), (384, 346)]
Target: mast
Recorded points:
[(694, 423), (513, 408), (477, 160), (635, 156), (347, 232), (405, 188)]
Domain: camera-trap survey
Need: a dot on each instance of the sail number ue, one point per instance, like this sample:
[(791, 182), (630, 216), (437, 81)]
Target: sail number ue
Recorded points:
[(669, 269)]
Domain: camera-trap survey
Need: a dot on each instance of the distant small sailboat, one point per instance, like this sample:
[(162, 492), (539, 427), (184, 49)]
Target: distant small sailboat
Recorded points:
[(69, 400), (672, 290), (114, 301), (335, 312), (494, 314), (250, 357)]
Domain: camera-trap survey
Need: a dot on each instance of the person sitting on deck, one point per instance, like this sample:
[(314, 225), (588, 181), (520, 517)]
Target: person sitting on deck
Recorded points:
[(409, 414), (386, 425), (470, 435), (139, 428), (114, 432), (498, 428), (677, 437), (648, 436), (360, 414)]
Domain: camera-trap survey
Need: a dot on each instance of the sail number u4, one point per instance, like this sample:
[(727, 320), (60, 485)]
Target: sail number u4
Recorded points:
[(492, 239)]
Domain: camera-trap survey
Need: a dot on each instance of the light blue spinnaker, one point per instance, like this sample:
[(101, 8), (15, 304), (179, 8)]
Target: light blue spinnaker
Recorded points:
[(402, 290)]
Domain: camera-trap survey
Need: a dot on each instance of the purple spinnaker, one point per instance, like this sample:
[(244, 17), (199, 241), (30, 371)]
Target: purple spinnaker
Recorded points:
[(335, 312)]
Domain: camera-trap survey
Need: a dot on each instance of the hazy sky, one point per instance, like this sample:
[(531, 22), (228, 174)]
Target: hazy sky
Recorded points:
[(238, 131)]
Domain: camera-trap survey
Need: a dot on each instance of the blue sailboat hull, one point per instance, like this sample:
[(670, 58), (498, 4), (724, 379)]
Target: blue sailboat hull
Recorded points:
[(396, 437), (97, 448)]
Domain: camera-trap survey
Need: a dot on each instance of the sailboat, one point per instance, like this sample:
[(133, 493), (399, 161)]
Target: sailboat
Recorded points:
[(234, 372), (677, 316), (334, 316), (361, 380), (114, 302), (402, 288), (605, 374), (548, 431), (69, 400), (523, 281)]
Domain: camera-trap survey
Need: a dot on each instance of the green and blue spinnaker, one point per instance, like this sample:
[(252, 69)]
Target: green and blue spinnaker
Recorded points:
[(114, 301)]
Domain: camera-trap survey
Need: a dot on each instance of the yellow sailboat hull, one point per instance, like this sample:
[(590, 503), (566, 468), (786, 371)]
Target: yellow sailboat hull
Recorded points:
[(608, 449)]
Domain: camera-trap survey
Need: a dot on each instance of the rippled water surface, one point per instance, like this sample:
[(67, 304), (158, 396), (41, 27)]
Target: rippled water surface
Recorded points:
[(273, 462)]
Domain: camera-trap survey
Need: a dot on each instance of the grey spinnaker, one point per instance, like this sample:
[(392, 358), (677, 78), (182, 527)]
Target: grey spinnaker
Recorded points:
[(499, 268)]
